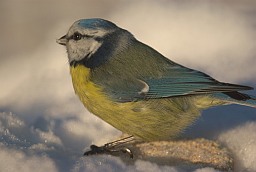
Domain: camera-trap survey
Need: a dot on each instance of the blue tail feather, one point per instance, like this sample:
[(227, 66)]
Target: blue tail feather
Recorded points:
[(237, 98)]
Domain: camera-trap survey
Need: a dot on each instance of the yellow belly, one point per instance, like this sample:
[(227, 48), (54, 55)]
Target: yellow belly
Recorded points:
[(93, 98), (155, 119)]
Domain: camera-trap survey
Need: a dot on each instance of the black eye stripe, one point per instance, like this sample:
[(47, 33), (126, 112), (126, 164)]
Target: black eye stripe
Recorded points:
[(99, 39), (80, 36), (87, 36), (77, 36)]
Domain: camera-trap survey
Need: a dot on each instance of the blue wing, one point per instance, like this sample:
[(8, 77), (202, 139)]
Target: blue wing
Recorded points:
[(180, 81), (174, 82)]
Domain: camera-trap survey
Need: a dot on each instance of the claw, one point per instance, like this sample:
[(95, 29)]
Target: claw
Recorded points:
[(95, 150), (127, 150), (110, 148)]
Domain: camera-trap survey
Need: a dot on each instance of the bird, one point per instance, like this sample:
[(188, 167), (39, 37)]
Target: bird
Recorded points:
[(136, 89)]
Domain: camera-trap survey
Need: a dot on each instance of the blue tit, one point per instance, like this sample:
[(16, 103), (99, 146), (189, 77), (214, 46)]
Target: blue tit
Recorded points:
[(136, 89)]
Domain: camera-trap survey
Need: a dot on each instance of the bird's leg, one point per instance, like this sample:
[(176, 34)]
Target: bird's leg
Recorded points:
[(112, 147)]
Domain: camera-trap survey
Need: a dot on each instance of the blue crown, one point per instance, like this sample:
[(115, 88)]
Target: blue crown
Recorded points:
[(95, 23)]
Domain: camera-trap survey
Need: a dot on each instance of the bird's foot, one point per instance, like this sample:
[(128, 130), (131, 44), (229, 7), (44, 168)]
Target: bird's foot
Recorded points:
[(111, 148), (96, 150)]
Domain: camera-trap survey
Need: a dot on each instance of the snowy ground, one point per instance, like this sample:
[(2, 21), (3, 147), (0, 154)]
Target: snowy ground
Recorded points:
[(44, 127)]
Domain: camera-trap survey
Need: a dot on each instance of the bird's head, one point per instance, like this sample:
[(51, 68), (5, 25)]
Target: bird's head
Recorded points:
[(92, 41)]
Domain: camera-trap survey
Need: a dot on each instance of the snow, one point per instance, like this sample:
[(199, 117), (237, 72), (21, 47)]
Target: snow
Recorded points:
[(43, 125), (241, 141)]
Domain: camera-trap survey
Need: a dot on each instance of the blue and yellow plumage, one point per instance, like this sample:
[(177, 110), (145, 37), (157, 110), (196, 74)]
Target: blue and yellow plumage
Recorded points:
[(136, 89)]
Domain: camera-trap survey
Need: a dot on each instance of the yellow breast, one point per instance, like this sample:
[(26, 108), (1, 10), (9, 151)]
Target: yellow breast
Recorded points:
[(95, 100), (89, 93)]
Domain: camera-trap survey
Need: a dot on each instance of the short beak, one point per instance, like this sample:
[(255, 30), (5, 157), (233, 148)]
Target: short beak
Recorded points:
[(62, 41)]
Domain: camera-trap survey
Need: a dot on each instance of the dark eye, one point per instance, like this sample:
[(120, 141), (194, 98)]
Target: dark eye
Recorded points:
[(77, 36)]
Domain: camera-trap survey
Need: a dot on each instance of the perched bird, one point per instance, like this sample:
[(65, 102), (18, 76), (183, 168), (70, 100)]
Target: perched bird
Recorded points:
[(136, 89)]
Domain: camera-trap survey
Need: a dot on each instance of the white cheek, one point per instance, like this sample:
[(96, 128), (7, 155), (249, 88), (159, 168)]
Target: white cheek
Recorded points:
[(94, 47), (79, 50), (74, 52)]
